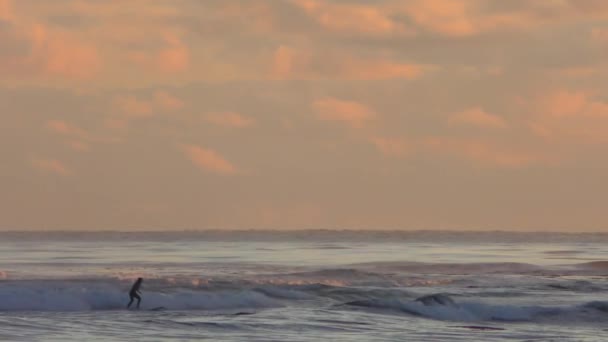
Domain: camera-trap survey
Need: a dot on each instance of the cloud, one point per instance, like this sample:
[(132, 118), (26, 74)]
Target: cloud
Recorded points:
[(175, 57), (6, 10), (572, 103), (132, 107), (359, 69), (65, 128), (480, 151), (208, 160), (51, 165), (476, 116), (600, 34), (167, 101), (463, 18), (352, 18), (229, 119), (299, 63), (392, 147), (289, 62), (446, 17), (172, 57), (572, 116), (78, 145), (49, 54), (351, 113)]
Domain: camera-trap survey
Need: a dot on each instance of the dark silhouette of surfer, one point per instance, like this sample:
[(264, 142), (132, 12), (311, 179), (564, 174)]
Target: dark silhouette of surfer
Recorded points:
[(134, 293)]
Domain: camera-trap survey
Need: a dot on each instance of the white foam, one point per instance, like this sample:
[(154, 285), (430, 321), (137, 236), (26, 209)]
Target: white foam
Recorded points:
[(476, 311)]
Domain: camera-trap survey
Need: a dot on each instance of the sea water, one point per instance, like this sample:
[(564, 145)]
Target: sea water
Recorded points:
[(304, 286)]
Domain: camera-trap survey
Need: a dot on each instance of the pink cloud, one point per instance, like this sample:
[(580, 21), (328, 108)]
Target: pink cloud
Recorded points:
[(208, 160), (349, 112), (52, 166), (476, 116), (229, 119)]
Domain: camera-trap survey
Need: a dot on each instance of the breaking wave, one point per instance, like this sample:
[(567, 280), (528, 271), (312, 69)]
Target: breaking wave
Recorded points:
[(443, 307)]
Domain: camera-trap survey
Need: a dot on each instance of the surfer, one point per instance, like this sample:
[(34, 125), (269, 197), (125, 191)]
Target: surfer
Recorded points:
[(134, 293)]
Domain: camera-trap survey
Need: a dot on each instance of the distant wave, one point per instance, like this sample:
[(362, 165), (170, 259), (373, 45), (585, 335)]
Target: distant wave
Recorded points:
[(326, 236)]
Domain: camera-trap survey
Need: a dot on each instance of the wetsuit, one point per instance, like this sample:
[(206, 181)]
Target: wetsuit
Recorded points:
[(134, 293)]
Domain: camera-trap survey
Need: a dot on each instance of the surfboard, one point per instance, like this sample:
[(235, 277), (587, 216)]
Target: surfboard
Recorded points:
[(478, 327)]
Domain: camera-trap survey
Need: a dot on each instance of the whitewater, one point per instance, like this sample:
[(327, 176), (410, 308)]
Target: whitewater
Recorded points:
[(304, 286)]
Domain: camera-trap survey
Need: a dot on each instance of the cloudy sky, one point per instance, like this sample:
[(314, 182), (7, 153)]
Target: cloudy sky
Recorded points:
[(289, 114)]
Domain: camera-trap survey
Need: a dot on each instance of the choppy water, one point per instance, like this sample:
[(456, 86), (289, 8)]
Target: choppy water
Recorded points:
[(304, 286)]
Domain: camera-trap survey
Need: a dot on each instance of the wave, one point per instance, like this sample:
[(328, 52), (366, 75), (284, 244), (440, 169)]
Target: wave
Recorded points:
[(79, 296), (232, 298), (443, 307), (321, 235)]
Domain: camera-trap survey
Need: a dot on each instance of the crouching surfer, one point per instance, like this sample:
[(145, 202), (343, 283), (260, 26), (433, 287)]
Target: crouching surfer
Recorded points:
[(134, 293)]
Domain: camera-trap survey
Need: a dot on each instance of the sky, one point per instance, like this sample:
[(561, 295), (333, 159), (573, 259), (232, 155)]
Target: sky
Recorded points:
[(295, 114)]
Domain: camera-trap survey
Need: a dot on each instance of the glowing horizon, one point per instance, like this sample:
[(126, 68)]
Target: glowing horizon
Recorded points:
[(304, 114)]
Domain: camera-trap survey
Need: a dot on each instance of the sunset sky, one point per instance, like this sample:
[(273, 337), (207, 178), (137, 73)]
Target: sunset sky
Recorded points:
[(238, 114)]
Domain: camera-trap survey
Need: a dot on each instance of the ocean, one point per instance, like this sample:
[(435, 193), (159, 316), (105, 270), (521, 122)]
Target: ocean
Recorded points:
[(317, 285)]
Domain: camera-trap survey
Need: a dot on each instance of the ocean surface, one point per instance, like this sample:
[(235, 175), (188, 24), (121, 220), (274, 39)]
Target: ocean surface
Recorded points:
[(304, 286)]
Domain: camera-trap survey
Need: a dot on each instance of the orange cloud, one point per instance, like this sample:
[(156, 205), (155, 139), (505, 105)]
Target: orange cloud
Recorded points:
[(229, 119), (175, 57), (352, 18), (479, 151), (461, 18), (446, 17), (574, 116), (78, 145), (65, 128), (291, 63), (352, 113), (64, 55), (288, 62), (381, 69), (476, 116), (50, 53), (6, 10), (52, 166), (132, 107), (167, 101), (393, 147), (208, 160), (564, 103), (600, 34)]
